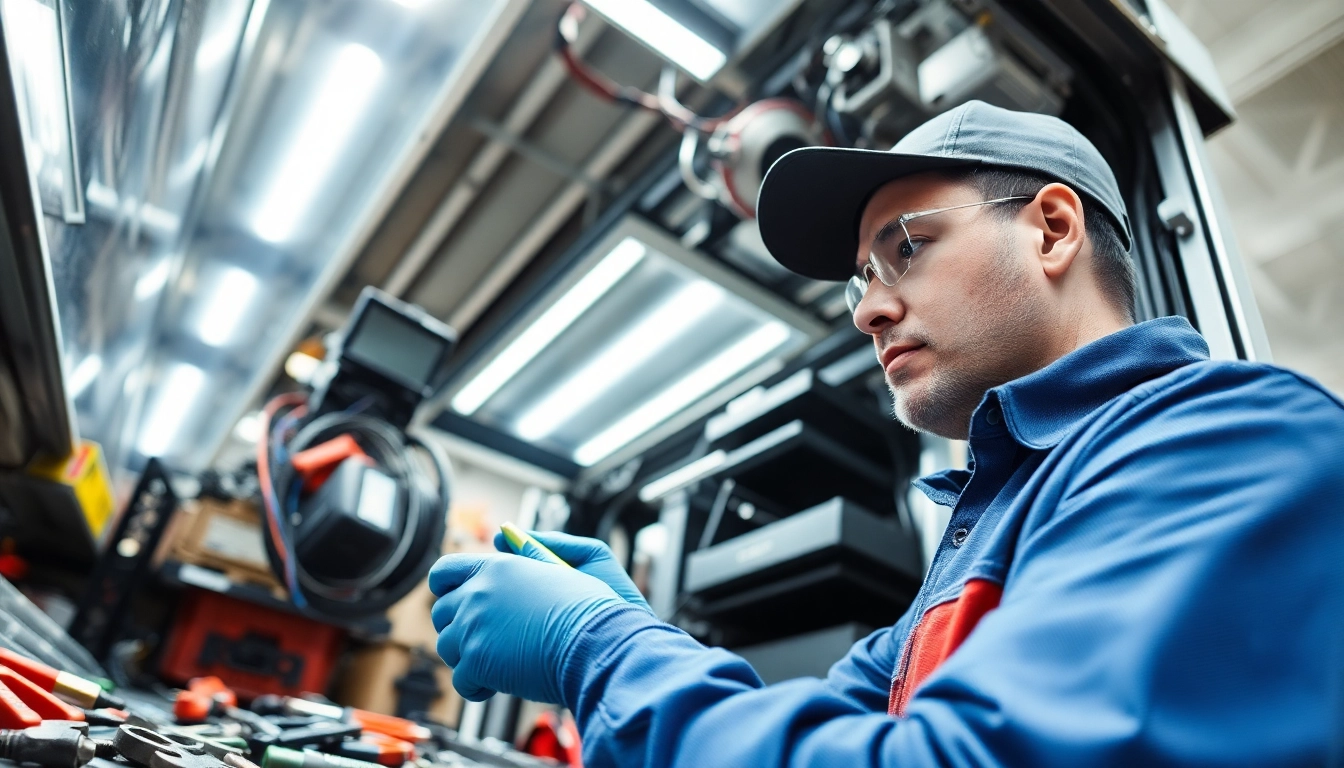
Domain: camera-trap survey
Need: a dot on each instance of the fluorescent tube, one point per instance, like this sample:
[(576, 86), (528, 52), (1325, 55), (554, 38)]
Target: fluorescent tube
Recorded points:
[(683, 476), (152, 281), (636, 346), (300, 366), (228, 303), (664, 34), (551, 324), (319, 142), (84, 374), (690, 388), (174, 399), (249, 428)]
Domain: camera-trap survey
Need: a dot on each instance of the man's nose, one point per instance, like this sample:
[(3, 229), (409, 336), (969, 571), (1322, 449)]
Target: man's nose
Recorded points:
[(880, 308)]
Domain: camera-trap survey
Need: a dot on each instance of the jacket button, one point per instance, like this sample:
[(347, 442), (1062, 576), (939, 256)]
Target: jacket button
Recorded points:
[(993, 416), (959, 536)]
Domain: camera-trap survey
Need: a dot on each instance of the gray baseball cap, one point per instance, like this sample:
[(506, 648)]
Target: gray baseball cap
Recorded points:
[(813, 198)]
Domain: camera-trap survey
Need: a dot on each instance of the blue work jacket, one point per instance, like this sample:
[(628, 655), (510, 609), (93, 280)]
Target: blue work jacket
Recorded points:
[(1164, 535)]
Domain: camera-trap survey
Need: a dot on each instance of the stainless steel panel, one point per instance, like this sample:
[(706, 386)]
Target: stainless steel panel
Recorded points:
[(34, 412), (231, 149)]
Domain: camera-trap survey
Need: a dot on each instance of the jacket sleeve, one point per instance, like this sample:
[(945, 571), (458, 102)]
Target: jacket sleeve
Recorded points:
[(1181, 601), (863, 676)]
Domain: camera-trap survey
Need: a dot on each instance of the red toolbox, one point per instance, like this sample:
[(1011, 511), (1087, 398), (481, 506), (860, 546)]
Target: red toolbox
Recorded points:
[(253, 649)]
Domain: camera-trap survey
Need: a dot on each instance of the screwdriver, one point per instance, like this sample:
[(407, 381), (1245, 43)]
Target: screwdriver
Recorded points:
[(281, 757), (86, 693), (525, 544)]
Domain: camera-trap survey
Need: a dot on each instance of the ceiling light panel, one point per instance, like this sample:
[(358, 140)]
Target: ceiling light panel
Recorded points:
[(699, 36), (328, 105), (668, 37), (642, 330)]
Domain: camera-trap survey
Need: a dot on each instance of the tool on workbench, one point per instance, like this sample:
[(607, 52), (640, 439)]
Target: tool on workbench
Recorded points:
[(377, 748), (324, 734), (104, 717), (282, 757), (396, 727), (23, 704), (202, 697), (84, 693), (209, 696), (212, 747), (51, 744), (525, 544), (154, 749)]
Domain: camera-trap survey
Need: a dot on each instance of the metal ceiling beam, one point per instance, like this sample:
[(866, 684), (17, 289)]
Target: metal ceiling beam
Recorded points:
[(1274, 42), (541, 229), (450, 210), (471, 67)]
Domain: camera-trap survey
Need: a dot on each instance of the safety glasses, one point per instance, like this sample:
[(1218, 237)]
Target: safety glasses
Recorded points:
[(893, 251)]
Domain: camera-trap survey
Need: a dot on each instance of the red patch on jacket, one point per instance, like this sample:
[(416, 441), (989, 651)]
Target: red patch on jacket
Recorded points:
[(939, 632)]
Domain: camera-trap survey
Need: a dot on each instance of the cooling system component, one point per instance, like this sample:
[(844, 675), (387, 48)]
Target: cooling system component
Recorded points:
[(894, 75), (744, 147)]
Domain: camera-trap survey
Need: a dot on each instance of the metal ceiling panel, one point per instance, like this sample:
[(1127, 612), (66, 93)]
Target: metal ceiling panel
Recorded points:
[(638, 331), (234, 151)]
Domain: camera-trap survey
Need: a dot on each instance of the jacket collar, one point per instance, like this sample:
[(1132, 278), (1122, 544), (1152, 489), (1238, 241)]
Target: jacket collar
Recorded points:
[(1042, 408)]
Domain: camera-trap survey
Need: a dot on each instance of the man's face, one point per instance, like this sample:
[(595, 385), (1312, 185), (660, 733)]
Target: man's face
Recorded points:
[(968, 314)]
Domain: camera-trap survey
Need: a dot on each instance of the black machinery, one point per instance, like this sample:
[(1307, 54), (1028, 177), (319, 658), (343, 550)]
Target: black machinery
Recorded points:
[(353, 519)]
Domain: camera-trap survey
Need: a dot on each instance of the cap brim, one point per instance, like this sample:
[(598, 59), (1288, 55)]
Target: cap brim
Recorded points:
[(812, 200)]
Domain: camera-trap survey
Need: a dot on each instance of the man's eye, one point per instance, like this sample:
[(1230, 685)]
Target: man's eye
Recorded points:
[(908, 247)]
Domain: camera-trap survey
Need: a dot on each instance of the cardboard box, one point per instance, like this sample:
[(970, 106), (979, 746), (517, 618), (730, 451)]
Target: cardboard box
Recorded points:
[(369, 682), (224, 536)]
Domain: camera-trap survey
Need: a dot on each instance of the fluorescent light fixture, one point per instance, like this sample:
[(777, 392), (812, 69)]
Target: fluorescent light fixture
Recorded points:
[(173, 401), (700, 382), (300, 366), (549, 325), (248, 428), (226, 306), (153, 281), (634, 348), (84, 374), (324, 131), (35, 34), (683, 476), (412, 4), (664, 34)]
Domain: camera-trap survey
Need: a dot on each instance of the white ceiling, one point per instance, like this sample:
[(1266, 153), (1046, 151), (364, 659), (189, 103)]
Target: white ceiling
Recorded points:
[(1281, 165)]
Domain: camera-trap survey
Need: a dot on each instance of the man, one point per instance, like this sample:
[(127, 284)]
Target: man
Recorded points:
[(1144, 565)]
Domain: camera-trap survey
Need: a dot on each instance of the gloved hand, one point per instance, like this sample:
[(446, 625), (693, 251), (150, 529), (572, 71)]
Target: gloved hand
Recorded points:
[(505, 622), (590, 556)]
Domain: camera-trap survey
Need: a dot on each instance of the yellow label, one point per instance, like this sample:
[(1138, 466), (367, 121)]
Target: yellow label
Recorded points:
[(84, 471)]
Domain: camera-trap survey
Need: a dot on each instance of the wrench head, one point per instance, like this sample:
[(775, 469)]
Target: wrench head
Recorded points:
[(152, 749)]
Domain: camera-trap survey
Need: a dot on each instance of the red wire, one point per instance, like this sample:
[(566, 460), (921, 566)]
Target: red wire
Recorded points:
[(605, 88), (299, 400)]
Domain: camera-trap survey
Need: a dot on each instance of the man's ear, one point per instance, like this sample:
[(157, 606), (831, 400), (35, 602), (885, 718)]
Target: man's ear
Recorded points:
[(1058, 213)]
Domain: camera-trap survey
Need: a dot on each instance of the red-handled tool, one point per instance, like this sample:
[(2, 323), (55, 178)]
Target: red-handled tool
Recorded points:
[(202, 697), (38, 701), (378, 748), (396, 727), (14, 714), (84, 693)]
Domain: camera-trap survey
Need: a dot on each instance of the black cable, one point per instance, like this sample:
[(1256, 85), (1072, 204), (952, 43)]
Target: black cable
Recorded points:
[(423, 525)]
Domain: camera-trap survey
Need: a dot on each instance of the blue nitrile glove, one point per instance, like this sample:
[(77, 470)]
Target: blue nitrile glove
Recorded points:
[(506, 622), (588, 555)]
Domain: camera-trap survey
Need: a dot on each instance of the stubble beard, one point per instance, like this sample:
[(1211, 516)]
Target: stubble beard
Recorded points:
[(1000, 348), (942, 404)]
